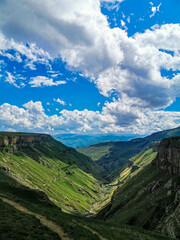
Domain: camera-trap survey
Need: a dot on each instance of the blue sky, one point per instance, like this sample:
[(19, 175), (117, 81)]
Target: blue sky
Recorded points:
[(87, 68)]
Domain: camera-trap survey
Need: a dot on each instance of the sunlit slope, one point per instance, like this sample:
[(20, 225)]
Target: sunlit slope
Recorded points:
[(138, 162), (14, 224), (147, 197), (112, 156), (38, 145), (96, 151), (55, 169)]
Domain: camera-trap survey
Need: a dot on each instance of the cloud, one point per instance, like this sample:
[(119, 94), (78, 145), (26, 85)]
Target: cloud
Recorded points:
[(84, 40), (32, 53), (40, 81), (35, 108), (112, 1), (60, 101), (154, 9), (79, 33), (114, 118), (11, 79), (165, 37), (81, 43), (122, 23)]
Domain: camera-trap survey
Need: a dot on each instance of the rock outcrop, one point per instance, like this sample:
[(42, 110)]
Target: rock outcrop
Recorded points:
[(15, 141), (168, 155)]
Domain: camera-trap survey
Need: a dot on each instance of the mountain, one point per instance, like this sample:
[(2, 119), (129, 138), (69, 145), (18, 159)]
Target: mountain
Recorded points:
[(70, 179), (113, 156), (39, 179), (148, 194), (28, 214), (77, 141)]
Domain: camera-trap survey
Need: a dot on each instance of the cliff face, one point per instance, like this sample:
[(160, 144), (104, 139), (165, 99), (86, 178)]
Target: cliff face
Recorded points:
[(168, 155), (151, 198), (40, 146), (14, 142)]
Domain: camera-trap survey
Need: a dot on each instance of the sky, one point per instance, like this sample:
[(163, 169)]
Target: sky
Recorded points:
[(89, 67)]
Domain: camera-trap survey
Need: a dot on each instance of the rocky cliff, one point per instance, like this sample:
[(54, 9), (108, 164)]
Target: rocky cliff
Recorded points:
[(15, 141), (168, 155), (151, 197)]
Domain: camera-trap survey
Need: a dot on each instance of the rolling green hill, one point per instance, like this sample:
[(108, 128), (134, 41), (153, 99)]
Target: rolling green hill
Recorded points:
[(148, 195), (40, 162), (113, 156)]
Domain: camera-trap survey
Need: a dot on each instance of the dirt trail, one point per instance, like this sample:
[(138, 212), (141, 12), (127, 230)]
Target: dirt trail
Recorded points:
[(51, 225), (93, 231)]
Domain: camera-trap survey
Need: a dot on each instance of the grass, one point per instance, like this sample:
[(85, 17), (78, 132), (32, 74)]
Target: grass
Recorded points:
[(48, 177), (133, 203), (66, 185), (95, 152), (65, 175), (17, 225), (112, 156)]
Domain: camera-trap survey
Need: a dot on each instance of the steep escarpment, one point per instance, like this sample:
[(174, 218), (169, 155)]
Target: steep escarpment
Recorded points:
[(168, 156), (151, 197), (11, 142)]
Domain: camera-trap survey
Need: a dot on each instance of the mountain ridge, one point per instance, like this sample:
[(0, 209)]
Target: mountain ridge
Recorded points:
[(149, 196), (69, 178), (114, 155), (44, 177), (77, 141)]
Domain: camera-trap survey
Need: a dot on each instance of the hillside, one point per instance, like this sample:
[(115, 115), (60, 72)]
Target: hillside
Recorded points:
[(115, 155), (46, 190), (40, 162), (28, 214), (148, 195)]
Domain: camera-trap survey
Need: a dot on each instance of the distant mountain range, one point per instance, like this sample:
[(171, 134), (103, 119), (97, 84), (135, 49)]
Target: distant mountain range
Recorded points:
[(113, 156), (77, 141)]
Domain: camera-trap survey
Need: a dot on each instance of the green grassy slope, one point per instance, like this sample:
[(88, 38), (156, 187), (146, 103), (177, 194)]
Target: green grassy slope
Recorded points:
[(61, 172), (17, 225), (45, 145), (66, 185), (146, 198), (137, 163), (114, 155), (95, 151)]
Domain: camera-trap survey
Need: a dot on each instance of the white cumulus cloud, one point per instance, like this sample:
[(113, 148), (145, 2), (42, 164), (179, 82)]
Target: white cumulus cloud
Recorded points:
[(79, 33), (44, 81), (60, 101), (154, 9), (119, 116)]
